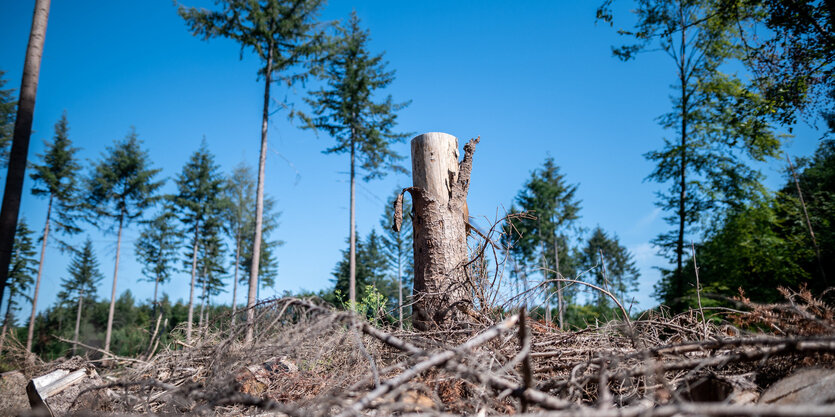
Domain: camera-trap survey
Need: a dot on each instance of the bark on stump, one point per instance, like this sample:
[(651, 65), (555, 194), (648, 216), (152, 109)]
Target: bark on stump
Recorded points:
[(442, 291)]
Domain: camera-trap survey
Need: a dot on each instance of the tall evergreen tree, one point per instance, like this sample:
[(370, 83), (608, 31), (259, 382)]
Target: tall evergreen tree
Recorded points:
[(398, 248), (157, 248), (554, 204), (21, 271), (56, 178), (718, 121), (211, 255), (8, 107), (19, 152), (267, 262), (284, 35), (347, 112), (239, 194), (120, 188), (611, 266), (83, 280), (199, 204)]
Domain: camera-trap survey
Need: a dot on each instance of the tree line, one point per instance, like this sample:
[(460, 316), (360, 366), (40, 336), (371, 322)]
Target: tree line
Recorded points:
[(725, 225)]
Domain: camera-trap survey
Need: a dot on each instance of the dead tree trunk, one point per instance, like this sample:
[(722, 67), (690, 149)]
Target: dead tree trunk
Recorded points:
[(442, 292)]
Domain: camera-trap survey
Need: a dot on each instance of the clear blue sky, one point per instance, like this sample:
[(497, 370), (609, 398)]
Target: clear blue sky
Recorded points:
[(532, 81)]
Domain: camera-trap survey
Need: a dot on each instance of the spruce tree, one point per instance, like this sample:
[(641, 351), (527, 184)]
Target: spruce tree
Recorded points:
[(199, 204), (21, 271), (56, 179), (158, 247), (347, 112), (555, 208), (284, 35), (372, 267), (120, 188), (239, 194), (398, 248), (611, 267), (82, 283), (8, 107), (719, 124), (210, 261)]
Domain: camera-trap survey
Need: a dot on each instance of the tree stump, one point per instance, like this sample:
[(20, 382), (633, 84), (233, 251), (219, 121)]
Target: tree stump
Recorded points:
[(442, 290)]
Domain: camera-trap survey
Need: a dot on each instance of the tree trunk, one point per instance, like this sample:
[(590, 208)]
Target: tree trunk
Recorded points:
[(20, 140), (439, 192), (156, 288), (545, 276), (6, 320), (678, 286), (203, 294), (400, 286), (259, 204), (30, 335), (808, 222), (77, 321), (235, 281), (560, 299), (352, 268), (113, 292), (193, 275)]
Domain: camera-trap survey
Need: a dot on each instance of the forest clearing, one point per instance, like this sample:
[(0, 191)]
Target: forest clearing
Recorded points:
[(581, 250)]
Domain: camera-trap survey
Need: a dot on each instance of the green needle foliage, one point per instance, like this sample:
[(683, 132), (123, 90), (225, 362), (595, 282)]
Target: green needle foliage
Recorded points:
[(120, 188), (346, 110), (56, 178), (82, 283), (158, 247), (199, 204), (719, 123), (8, 110), (21, 274), (543, 240), (611, 267)]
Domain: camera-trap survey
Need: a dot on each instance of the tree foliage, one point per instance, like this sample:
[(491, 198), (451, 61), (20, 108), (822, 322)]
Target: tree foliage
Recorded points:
[(610, 266), (8, 109), (158, 247), (21, 270)]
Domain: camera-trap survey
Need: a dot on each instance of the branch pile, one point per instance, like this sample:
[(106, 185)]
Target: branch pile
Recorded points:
[(309, 360)]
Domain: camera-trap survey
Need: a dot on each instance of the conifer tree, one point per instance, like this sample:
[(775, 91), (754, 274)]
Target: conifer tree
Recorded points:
[(611, 267), (346, 110), (267, 263), (284, 35), (199, 204), (547, 197), (239, 194), (120, 188), (8, 107), (21, 271), (211, 254), (56, 178), (398, 248), (157, 248), (718, 121), (82, 283)]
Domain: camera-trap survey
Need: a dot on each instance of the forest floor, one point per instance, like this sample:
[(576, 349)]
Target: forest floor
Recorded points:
[(309, 360)]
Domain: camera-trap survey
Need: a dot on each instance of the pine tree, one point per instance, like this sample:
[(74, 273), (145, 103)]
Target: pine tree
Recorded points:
[(239, 194), (120, 188), (56, 178), (283, 34), (611, 267), (718, 121), (198, 203), (553, 203), (8, 107), (21, 270), (157, 248), (398, 248), (83, 281), (347, 112)]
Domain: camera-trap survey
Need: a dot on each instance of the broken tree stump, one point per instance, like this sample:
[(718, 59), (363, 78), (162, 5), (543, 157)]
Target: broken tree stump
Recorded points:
[(440, 183)]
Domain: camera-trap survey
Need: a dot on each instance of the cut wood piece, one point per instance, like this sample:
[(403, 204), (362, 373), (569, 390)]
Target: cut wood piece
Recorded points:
[(806, 386), (47, 391), (442, 294)]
